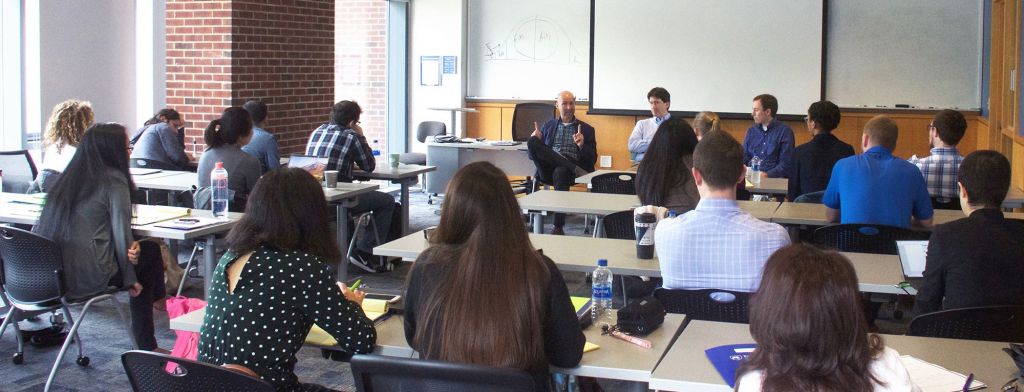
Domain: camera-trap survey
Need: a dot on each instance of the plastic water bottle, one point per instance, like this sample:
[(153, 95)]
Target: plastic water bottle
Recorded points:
[(755, 170), (601, 297), (376, 149), (219, 188)]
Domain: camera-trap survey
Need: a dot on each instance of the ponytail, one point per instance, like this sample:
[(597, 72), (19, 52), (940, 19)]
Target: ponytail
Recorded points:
[(716, 125), (706, 122), (211, 136), (235, 123)]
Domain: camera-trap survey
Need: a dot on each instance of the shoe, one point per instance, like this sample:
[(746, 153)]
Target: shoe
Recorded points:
[(558, 230), (364, 262)]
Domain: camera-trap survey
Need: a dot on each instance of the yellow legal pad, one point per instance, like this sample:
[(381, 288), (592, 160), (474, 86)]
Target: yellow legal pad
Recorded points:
[(373, 308), (579, 303)]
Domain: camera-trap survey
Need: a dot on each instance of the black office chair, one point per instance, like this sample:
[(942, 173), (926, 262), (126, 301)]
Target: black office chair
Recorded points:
[(617, 183), (374, 373), (527, 113), (147, 373), (994, 323), (946, 203), (18, 170), (144, 163), (865, 238), (708, 304), (426, 129), (34, 284), (619, 225)]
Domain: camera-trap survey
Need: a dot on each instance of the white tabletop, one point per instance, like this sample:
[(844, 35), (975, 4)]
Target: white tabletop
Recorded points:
[(876, 273), (578, 202), (686, 367), (587, 178), (1014, 198), (167, 180), (772, 186), (484, 145), (347, 190), (813, 214), (386, 172)]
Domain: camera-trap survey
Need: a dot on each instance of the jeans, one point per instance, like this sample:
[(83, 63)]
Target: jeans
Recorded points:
[(150, 274), (383, 207)]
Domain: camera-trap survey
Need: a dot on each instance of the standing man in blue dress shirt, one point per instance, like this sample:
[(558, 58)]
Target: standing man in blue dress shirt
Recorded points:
[(643, 132), (263, 146), (769, 139)]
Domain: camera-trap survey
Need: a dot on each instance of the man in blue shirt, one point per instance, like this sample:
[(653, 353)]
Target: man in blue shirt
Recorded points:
[(644, 130), (876, 187), (769, 139), (262, 146)]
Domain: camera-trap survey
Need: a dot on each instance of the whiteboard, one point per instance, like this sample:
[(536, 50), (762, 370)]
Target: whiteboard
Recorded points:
[(710, 54), (924, 53), (528, 49)]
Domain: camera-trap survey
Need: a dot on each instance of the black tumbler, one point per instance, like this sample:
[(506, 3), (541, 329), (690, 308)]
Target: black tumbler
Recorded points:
[(644, 223)]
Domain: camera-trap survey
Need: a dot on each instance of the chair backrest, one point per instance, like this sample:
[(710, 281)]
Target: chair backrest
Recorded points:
[(19, 170), (526, 114), (618, 183), (708, 304), (32, 268), (146, 373), (943, 203), (152, 164), (865, 238), (374, 373), (995, 323), (428, 129), (619, 225)]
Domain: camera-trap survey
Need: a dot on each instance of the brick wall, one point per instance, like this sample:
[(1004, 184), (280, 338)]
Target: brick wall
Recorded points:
[(360, 71), (223, 53)]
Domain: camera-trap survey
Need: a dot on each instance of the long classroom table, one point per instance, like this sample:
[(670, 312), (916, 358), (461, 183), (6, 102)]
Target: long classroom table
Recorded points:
[(813, 214), (876, 273), (686, 367)]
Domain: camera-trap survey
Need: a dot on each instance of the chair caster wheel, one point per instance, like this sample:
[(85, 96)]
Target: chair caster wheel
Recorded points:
[(82, 361), (18, 359)]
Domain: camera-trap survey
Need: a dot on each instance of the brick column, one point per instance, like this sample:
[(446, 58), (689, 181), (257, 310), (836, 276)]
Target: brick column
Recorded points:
[(223, 53)]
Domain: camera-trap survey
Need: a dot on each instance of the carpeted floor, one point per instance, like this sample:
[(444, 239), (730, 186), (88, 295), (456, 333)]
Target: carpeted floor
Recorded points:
[(105, 338)]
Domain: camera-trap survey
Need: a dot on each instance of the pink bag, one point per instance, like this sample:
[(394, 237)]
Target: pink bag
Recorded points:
[(187, 344)]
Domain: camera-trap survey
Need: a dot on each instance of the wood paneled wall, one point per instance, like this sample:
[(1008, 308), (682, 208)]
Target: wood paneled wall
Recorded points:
[(494, 122)]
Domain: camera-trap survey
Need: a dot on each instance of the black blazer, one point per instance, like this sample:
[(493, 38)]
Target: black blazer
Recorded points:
[(812, 162), (975, 261)]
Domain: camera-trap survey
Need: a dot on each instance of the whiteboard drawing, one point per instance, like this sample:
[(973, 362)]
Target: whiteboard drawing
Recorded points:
[(535, 39)]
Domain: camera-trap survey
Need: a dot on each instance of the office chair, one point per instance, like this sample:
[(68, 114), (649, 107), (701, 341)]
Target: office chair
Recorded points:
[(865, 238), (19, 170), (147, 373), (708, 304), (375, 373), (994, 323), (426, 129), (527, 113), (144, 163)]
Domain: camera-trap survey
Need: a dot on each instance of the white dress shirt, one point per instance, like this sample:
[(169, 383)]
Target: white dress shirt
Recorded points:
[(642, 134)]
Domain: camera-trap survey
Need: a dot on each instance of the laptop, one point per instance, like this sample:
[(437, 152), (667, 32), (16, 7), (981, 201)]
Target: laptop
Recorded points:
[(311, 164), (912, 257)]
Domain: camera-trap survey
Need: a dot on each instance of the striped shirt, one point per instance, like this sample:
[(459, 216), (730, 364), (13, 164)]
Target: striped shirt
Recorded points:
[(716, 246), (939, 170), (342, 147)]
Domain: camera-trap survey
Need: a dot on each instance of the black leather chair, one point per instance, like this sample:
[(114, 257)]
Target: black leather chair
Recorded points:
[(994, 323), (943, 203), (865, 238), (617, 183), (147, 373), (144, 163), (18, 170), (708, 304), (374, 373), (527, 113), (34, 284)]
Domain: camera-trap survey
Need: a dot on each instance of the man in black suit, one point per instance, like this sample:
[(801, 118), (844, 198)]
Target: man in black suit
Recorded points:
[(978, 260)]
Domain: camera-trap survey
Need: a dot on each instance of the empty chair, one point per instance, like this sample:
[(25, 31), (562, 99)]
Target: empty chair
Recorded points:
[(528, 113), (617, 183), (426, 129), (374, 373), (33, 282), (619, 225), (18, 170), (996, 323), (945, 203), (147, 373), (865, 238), (708, 304)]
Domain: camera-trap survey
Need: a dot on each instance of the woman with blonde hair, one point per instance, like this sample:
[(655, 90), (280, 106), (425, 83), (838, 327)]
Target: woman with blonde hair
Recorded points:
[(64, 131), (706, 122)]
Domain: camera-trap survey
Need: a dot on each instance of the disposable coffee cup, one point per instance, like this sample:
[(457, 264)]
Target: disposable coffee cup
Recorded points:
[(393, 160), (644, 223), (330, 178)]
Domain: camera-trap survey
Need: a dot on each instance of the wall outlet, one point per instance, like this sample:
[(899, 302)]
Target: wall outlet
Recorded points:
[(606, 161)]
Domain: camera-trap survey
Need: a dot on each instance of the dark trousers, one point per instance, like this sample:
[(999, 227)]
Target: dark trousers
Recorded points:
[(383, 206), (554, 169), (150, 274)]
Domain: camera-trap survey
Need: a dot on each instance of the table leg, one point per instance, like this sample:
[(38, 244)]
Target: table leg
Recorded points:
[(342, 222), (538, 222), (598, 226), (209, 264), (404, 199)]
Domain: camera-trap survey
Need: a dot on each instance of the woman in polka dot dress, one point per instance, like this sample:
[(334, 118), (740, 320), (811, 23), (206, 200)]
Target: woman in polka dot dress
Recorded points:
[(273, 284)]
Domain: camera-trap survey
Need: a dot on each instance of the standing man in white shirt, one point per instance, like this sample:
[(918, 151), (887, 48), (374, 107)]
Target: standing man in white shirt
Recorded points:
[(643, 132)]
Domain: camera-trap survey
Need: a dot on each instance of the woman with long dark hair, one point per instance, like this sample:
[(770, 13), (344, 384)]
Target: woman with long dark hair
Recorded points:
[(225, 138), (810, 330), (161, 139), (664, 178), (88, 214), (273, 284), (481, 294)]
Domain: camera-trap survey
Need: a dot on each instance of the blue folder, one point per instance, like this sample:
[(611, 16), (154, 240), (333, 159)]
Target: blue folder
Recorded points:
[(727, 359)]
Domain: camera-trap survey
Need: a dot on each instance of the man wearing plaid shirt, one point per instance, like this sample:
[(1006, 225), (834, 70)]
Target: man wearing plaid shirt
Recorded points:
[(940, 168), (717, 245), (343, 143)]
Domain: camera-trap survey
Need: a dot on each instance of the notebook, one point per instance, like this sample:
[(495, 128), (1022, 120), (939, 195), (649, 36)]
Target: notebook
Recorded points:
[(145, 214), (727, 359), (311, 164), (934, 378), (375, 309), (912, 257)]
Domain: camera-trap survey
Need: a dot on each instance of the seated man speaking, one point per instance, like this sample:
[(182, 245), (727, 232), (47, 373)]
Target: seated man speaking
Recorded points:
[(563, 148)]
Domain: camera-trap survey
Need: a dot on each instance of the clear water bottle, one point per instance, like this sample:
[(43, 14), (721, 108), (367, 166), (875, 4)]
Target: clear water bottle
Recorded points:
[(755, 170), (376, 149), (219, 191), (601, 297)]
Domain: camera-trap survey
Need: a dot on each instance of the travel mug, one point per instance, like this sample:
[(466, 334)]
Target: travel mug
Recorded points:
[(644, 225)]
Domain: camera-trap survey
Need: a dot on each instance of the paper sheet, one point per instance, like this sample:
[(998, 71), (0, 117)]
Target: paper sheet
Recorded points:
[(934, 378)]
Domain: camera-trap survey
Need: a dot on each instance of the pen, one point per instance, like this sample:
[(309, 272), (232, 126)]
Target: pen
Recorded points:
[(356, 284), (967, 385)]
